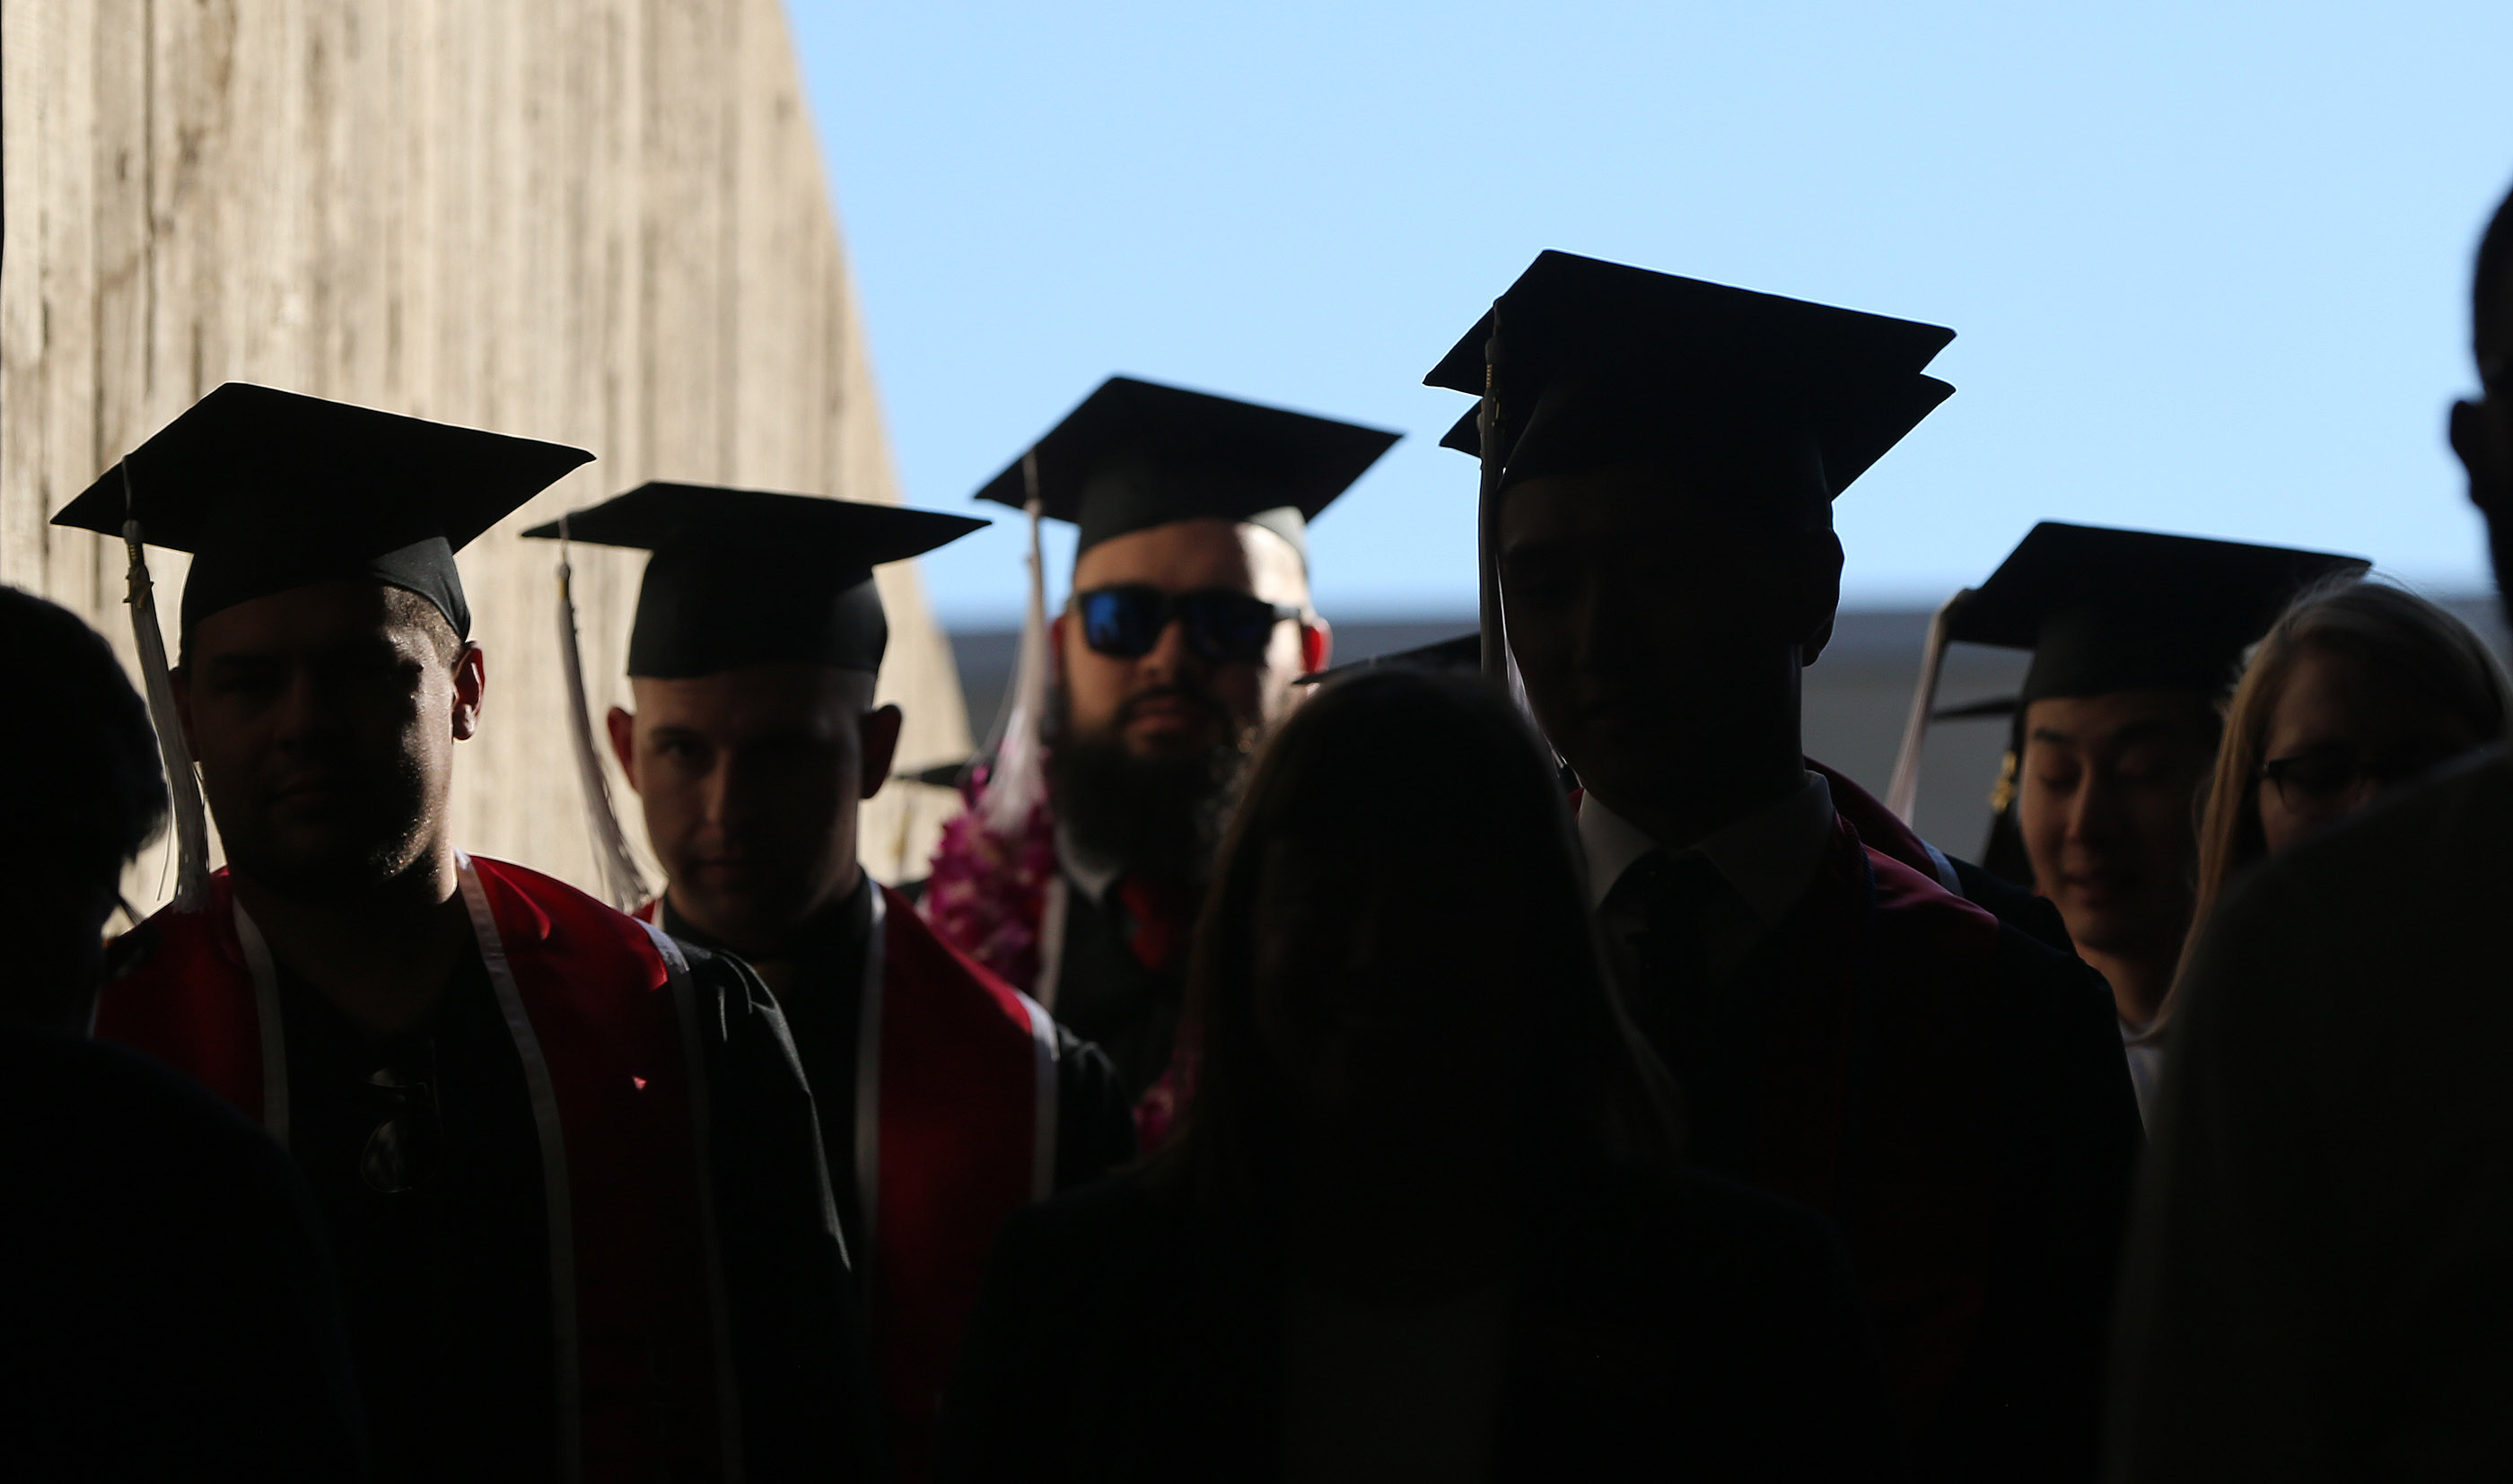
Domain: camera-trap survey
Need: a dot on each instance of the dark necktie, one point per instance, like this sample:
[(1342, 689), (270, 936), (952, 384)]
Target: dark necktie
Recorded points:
[(1688, 1019)]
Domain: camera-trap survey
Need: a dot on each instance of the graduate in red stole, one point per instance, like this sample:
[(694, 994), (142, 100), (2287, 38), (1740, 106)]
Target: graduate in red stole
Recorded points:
[(1079, 868), (947, 1099), (567, 1166), (1659, 459)]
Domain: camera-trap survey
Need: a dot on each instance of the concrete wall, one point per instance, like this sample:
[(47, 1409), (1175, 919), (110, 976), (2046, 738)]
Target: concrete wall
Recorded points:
[(599, 221)]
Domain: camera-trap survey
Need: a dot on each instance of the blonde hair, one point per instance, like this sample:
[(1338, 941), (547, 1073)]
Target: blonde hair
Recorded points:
[(2407, 638)]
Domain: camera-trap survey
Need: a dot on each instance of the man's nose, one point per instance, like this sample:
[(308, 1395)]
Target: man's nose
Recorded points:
[(1171, 658)]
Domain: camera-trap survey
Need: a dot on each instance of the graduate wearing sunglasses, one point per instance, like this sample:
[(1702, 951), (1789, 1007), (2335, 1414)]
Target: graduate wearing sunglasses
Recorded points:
[(1077, 872)]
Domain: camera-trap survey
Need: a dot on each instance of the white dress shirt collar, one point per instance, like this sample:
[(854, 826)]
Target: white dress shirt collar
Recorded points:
[(1769, 857)]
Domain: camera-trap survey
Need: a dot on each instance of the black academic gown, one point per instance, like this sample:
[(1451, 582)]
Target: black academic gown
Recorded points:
[(1952, 1092), (1660, 1327), (823, 1005), (166, 1294), (447, 1282)]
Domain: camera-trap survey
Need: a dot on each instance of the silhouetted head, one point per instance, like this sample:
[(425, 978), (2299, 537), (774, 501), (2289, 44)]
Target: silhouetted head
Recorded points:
[(2481, 428), (1655, 603), (1396, 976), (84, 793)]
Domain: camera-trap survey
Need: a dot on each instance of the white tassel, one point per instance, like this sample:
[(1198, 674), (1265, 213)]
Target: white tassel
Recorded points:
[(1017, 779), (621, 878), (1903, 794), (182, 785)]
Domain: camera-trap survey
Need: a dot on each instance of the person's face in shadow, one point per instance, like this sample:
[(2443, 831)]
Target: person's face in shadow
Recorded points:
[(1391, 1016), (325, 718), (1660, 613), (751, 780), (2342, 732), (2106, 808)]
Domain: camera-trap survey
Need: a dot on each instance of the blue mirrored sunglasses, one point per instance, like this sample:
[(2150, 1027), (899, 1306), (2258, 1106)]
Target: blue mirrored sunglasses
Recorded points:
[(1222, 627)]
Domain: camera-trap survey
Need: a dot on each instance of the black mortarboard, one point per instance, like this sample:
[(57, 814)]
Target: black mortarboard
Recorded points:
[(1135, 454), (2104, 609), (271, 489), (1463, 653), (1599, 362), (744, 576)]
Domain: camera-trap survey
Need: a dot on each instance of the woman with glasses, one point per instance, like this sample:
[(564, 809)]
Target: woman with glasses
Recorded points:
[(2358, 688), (1423, 1219)]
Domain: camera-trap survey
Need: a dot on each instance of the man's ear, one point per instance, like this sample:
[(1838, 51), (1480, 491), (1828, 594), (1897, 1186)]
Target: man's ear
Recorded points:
[(470, 687), (1317, 646), (621, 723), (881, 726)]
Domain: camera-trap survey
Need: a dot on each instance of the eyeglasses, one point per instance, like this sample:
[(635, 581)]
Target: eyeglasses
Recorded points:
[(2318, 780), (1222, 627)]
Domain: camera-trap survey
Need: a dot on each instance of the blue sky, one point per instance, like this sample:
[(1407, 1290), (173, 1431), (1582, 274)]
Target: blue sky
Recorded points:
[(2207, 262)]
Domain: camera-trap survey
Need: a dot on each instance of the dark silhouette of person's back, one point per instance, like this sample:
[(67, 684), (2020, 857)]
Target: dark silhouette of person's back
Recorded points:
[(167, 1297), (167, 1308)]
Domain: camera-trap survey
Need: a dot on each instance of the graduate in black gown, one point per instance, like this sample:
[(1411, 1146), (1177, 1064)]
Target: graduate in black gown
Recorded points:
[(1424, 1218), (1188, 620), (1659, 459), (947, 1098), (166, 1294), (568, 1167)]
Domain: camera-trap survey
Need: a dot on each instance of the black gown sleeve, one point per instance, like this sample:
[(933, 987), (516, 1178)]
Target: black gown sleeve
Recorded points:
[(1095, 1120), (2031, 1401), (800, 1350)]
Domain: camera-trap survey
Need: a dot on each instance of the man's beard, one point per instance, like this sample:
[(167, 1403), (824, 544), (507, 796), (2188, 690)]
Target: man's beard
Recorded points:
[(1153, 816), (391, 822)]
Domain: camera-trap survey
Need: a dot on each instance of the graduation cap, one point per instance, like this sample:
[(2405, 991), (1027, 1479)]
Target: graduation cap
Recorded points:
[(1463, 653), (2104, 609), (1581, 363), (1135, 454), (744, 576), (271, 490), (738, 577)]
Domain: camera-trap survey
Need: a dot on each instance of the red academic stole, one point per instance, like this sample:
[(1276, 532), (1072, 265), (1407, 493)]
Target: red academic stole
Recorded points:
[(1880, 1104), (639, 1348), (955, 1130)]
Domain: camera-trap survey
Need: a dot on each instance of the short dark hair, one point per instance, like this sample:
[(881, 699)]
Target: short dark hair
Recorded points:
[(409, 607), (83, 784)]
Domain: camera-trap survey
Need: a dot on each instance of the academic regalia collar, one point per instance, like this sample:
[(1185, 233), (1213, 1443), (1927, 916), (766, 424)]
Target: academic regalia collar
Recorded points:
[(838, 931)]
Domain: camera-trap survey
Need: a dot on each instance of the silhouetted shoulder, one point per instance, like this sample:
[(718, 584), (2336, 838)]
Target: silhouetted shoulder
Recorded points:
[(168, 1293)]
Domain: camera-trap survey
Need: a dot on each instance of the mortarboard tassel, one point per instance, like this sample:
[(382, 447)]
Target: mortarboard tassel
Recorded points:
[(1903, 794), (1016, 780), (624, 883), (182, 785)]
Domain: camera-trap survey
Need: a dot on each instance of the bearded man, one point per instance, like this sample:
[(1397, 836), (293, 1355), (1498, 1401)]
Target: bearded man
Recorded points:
[(1078, 869)]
